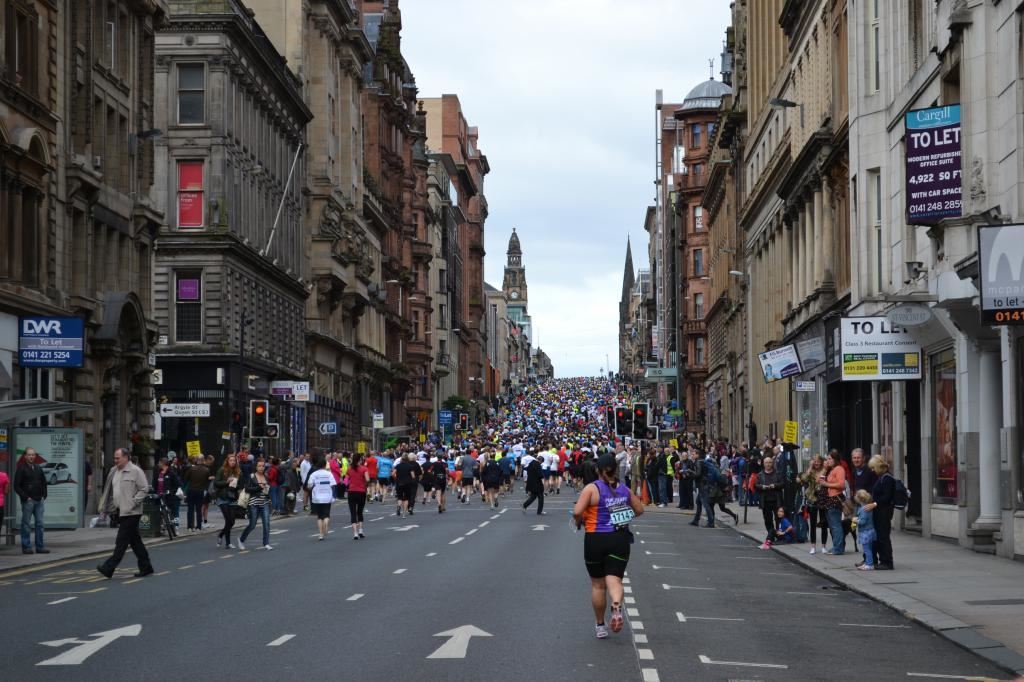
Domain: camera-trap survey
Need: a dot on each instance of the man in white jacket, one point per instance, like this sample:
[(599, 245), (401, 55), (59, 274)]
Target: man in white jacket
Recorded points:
[(124, 492)]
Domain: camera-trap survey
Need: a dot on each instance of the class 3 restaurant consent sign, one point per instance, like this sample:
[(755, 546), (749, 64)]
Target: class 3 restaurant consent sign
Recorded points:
[(875, 349)]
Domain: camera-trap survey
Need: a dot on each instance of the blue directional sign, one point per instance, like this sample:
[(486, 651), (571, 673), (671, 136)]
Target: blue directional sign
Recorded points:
[(51, 341), (328, 428), (445, 418)]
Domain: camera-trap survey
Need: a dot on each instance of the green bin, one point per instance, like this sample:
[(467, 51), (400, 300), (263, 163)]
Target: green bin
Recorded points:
[(149, 522)]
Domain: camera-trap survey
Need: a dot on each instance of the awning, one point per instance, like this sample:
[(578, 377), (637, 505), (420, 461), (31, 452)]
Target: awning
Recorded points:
[(19, 411)]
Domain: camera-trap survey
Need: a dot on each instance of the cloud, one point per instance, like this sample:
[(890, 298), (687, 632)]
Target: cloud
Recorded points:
[(563, 94)]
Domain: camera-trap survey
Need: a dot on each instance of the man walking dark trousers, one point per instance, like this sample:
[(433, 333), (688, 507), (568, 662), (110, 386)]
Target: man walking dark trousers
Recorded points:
[(534, 486), (125, 490), (30, 487)]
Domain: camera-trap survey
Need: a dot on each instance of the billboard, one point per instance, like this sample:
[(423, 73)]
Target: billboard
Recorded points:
[(875, 349), (779, 363), (51, 341), (60, 454), (933, 170), (1001, 262)]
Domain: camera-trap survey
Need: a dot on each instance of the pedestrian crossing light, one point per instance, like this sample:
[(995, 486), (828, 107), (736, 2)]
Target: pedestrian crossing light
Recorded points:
[(463, 421), (258, 411), (640, 420), (623, 421)]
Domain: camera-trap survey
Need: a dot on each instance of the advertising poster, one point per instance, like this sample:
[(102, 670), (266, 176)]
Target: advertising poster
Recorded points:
[(933, 164), (1001, 261), (945, 427), (779, 363), (875, 349), (61, 455)]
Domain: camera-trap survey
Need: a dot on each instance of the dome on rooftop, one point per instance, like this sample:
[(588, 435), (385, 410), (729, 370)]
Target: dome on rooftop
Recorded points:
[(707, 95)]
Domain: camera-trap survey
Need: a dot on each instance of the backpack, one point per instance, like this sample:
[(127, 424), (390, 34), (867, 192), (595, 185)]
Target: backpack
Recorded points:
[(711, 474), (900, 495)]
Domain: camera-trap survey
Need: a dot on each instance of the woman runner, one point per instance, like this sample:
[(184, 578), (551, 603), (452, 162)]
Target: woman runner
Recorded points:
[(605, 508)]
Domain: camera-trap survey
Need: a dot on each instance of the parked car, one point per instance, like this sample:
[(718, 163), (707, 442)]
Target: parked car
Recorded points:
[(56, 472)]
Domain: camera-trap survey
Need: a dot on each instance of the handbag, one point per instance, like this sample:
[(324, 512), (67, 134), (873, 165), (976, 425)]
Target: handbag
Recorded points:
[(243, 499)]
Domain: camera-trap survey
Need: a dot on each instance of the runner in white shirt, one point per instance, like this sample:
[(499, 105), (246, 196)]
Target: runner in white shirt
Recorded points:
[(321, 494)]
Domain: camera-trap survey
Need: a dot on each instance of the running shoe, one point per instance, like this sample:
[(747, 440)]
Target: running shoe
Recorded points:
[(616, 622), (813, 551), (866, 567), (240, 545), (220, 542), (267, 547), (230, 546), (361, 535), (601, 631)]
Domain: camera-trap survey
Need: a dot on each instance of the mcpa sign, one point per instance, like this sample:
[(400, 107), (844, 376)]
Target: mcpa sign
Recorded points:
[(51, 342)]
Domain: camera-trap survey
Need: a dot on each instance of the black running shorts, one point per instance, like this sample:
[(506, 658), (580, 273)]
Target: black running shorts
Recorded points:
[(606, 553)]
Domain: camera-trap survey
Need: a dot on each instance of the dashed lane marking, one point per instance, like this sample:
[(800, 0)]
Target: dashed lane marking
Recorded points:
[(650, 553), (754, 558), (645, 654), (671, 568), (816, 594), (470, 532), (503, 511), (495, 516), (280, 640), (399, 571), (133, 580), (92, 591), (685, 587), (209, 561), (939, 676), (355, 597), (483, 524), (650, 674), (163, 572), (707, 661), (625, 581), (872, 625), (627, 590), (630, 600), (60, 601), (227, 556), (432, 554), (636, 624), (640, 639), (456, 541), (633, 613), (278, 531), (683, 619), (186, 567)]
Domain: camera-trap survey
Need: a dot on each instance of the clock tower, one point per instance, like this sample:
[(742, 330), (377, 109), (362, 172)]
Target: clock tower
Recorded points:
[(514, 284)]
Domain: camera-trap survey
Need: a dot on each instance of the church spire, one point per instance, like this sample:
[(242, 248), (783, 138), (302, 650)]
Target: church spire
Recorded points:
[(628, 276), (515, 251)]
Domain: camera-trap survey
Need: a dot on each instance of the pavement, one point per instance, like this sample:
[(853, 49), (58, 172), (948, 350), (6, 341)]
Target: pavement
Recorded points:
[(472, 594)]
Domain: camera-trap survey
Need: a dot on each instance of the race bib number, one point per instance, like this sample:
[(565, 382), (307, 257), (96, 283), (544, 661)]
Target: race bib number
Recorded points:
[(620, 515)]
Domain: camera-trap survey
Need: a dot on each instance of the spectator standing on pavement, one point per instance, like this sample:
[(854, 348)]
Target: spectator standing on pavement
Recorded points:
[(275, 486), (817, 518), (834, 482), (866, 534), (30, 487), (210, 463), (861, 478), (5, 483), (770, 486), (258, 487), (197, 480), (305, 466), (227, 488), (686, 474), (292, 485), (166, 484), (882, 509), (651, 471), (124, 492)]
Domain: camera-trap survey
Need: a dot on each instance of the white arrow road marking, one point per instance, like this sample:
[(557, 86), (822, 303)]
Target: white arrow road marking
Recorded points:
[(671, 568), (683, 587), (60, 601), (458, 643), (704, 659), (379, 518), (402, 529), (400, 571), (539, 526), (88, 647), (355, 597), (683, 619), (280, 640)]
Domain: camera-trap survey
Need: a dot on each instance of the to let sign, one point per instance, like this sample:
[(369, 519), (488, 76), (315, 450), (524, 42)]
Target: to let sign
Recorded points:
[(933, 170), (51, 341)]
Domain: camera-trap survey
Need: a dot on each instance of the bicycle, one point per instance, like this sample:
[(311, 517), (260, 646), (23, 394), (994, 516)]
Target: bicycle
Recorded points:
[(166, 516)]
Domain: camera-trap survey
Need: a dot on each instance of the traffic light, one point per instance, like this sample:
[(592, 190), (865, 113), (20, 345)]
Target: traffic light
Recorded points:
[(650, 433), (463, 424), (640, 419), (623, 421), (609, 419), (258, 414)]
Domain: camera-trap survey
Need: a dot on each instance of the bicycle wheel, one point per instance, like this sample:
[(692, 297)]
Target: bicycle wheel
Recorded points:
[(169, 524)]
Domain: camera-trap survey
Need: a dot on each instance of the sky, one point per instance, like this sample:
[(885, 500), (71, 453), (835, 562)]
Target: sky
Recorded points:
[(563, 94)]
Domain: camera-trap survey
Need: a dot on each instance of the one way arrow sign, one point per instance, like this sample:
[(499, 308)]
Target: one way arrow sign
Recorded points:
[(458, 644)]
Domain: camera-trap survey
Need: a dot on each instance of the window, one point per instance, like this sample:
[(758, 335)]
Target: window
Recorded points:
[(442, 316), (874, 35), (678, 158), (698, 218), (875, 211), (442, 281), (698, 351), (698, 306), (190, 194), (188, 306), (110, 37), (21, 37), (695, 135), (191, 94), (698, 262), (944, 391), (37, 382)]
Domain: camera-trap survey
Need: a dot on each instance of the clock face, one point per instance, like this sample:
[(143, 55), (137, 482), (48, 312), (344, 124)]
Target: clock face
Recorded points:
[(515, 295)]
